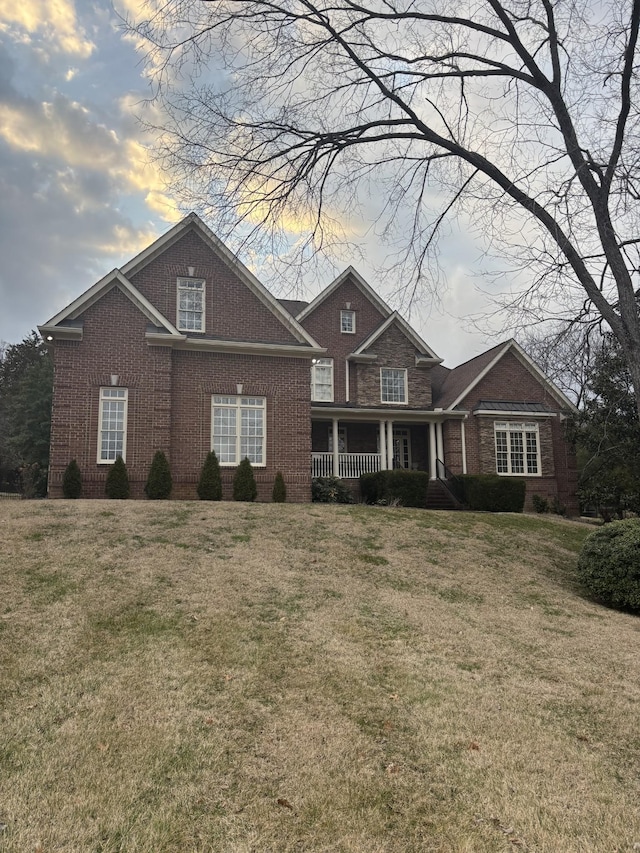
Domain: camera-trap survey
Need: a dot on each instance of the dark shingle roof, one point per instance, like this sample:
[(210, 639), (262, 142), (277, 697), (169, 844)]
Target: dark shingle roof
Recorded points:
[(509, 406), (462, 376), (293, 306)]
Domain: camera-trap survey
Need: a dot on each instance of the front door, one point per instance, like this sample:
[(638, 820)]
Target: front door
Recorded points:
[(401, 448)]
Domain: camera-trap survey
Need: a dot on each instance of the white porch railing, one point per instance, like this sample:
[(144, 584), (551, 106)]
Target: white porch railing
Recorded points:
[(350, 465)]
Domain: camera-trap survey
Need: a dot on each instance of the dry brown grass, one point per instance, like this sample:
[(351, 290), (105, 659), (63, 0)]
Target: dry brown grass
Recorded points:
[(234, 677)]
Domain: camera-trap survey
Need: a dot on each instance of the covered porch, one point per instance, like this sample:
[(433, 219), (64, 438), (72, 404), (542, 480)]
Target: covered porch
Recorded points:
[(351, 443)]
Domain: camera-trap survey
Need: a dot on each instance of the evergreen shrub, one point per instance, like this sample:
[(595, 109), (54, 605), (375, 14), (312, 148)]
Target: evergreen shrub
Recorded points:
[(210, 483), (330, 490), (117, 485), (72, 480), (244, 483), (540, 504), (492, 493), (407, 488), (279, 494), (609, 564), (159, 482)]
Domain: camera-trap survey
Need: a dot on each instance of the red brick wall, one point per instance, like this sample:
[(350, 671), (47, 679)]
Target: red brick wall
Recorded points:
[(511, 380), (169, 405), (232, 310), (324, 325)]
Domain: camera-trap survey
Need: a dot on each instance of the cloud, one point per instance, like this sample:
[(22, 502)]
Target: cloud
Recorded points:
[(53, 22)]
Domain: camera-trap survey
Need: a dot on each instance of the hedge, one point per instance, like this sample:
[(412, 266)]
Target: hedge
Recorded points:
[(408, 488), (492, 493), (609, 563)]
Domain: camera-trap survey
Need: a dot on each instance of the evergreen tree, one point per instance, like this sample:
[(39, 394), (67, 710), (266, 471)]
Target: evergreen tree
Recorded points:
[(279, 494), (72, 481), (210, 483), (117, 485), (159, 481), (244, 483)]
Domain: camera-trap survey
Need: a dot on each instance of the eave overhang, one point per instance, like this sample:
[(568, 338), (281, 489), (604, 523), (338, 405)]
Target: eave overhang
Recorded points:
[(374, 413), (183, 342)]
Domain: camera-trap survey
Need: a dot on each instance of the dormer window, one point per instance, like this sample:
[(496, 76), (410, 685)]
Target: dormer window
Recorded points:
[(348, 322), (190, 302)]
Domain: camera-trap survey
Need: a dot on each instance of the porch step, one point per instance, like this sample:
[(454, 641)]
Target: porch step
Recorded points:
[(439, 497)]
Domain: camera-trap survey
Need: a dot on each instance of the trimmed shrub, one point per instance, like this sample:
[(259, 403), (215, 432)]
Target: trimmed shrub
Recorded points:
[(492, 493), (330, 490), (540, 504), (609, 564), (279, 494), (244, 483), (159, 482), (210, 483), (72, 480), (408, 488), (117, 485)]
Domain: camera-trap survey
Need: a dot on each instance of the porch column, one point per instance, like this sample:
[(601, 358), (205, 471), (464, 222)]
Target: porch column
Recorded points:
[(463, 442), (336, 449), (389, 445), (383, 447), (432, 450), (439, 442)]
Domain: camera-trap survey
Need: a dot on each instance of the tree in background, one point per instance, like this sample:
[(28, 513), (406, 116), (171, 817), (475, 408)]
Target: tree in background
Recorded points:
[(26, 382), (522, 118), (608, 435)]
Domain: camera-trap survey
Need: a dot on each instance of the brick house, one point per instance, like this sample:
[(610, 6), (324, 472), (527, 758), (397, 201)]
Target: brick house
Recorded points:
[(184, 350)]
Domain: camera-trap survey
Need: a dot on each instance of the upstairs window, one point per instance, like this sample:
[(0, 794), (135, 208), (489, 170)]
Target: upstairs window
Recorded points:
[(348, 322), (393, 385), (517, 448), (112, 426), (191, 304), (238, 429), (322, 380)]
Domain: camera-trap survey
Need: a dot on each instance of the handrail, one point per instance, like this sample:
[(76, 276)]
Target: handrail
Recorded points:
[(450, 481)]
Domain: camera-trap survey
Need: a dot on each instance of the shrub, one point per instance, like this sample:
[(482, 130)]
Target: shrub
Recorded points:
[(72, 480), (117, 485), (492, 493), (540, 504), (279, 494), (407, 488), (609, 563), (159, 482), (210, 483), (330, 490), (244, 483)]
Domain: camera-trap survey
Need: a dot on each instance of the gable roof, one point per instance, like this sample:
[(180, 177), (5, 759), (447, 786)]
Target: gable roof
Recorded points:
[(397, 320), (366, 289), (192, 222), (120, 277), (460, 381), (60, 324)]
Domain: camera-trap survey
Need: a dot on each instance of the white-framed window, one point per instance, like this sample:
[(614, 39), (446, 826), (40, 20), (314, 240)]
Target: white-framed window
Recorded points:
[(190, 302), (393, 385), (517, 448), (348, 322), (322, 380), (238, 429), (112, 425)]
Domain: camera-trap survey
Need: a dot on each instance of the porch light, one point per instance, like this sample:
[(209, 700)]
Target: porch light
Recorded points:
[(49, 337)]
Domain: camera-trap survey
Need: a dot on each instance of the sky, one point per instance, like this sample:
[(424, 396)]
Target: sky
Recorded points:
[(80, 194)]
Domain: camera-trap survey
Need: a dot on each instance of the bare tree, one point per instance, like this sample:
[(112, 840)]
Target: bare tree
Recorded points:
[(521, 116)]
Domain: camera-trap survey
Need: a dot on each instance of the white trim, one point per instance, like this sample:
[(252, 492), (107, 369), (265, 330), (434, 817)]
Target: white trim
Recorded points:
[(367, 414), (524, 359), (113, 279), (238, 407), (321, 362), (463, 443), (347, 389), (366, 289), (120, 395), (521, 428), (244, 347), (351, 312), (203, 311), (413, 337), (404, 402)]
